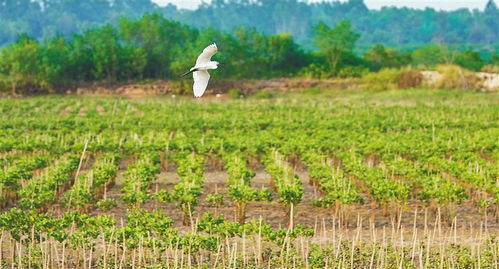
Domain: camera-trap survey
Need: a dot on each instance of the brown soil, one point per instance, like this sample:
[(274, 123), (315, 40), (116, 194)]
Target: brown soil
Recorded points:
[(217, 87), (83, 111), (100, 109), (65, 111), (5, 153), (135, 110)]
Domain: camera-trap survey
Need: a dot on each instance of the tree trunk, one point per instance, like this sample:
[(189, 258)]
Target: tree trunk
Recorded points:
[(385, 210), (241, 212), (187, 215), (334, 60), (13, 90)]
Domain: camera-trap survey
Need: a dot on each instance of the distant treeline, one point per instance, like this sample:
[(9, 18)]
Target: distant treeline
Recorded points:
[(154, 47), (42, 19)]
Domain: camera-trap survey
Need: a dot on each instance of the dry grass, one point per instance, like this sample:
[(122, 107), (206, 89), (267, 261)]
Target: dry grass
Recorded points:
[(456, 77)]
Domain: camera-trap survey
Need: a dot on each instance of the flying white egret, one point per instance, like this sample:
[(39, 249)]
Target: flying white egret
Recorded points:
[(199, 71)]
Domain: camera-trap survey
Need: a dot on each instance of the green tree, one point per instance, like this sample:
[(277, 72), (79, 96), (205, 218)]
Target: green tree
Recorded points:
[(133, 60), (432, 55), (53, 61), (105, 52), (491, 7), (20, 62), (494, 59), (470, 60), (162, 40), (80, 62), (285, 56), (378, 57), (335, 44)]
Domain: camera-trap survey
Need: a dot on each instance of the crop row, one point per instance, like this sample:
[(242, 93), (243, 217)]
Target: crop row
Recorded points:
[(239, 182), (20, 170), (190, 168), (138, 177), (284, 180), (92, 183), (337, 188), (44, 189), (384, 190)]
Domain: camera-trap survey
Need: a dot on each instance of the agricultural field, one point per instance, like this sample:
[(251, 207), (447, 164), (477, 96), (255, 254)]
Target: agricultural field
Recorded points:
[(335, 179)]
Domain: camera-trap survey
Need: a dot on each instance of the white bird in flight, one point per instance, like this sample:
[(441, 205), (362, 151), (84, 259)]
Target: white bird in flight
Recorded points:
[(199, 71)]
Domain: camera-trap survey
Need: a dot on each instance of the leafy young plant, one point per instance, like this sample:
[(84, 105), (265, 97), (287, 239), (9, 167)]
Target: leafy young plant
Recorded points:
[(163, 196), (240, 190), (215, 199), (106, 204)]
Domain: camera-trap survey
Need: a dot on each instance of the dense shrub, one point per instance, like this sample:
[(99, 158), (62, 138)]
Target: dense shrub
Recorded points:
[(409, 79), (470, 60), (313, 71), (386, 79), (351, 71), (235, 93), (263, 94)]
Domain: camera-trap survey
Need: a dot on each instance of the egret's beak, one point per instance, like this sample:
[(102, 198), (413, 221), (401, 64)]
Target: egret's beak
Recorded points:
[(187, 73)]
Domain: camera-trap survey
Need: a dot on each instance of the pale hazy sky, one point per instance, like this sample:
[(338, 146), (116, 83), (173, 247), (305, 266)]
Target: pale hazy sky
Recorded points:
[(373, 4)]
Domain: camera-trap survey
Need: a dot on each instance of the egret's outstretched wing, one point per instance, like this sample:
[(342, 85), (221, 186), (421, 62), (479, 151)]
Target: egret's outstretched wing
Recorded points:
[(208, 52), (201, 79)]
